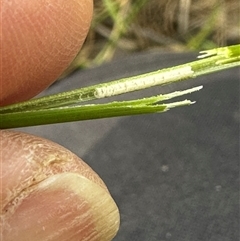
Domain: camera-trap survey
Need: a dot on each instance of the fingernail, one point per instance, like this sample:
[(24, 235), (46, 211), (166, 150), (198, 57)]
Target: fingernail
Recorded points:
[(63, 207)]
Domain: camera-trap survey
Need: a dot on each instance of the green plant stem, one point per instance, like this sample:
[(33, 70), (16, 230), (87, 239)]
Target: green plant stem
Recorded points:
[(86, 112), (212, 61), (56, 108), (79, 113)]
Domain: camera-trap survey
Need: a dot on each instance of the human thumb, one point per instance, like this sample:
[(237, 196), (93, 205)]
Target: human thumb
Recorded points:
[(48, 193)]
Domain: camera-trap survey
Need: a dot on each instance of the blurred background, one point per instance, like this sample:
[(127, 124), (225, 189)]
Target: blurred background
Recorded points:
[(121, 27)]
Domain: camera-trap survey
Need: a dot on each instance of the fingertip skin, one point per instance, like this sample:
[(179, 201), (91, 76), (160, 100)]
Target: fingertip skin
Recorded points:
[(51, 194), (39, 39), (27, 160), (64, 207)]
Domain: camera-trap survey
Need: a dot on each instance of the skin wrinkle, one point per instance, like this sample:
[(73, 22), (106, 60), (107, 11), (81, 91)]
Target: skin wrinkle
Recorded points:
[(67, 185), (64, 174), (40, 160), (72, 221)]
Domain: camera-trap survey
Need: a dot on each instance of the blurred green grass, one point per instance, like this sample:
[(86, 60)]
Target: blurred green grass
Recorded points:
[(121, 27)]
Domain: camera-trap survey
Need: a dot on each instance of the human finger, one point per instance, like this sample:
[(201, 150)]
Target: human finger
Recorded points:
[(39, 39), (48, 193)]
